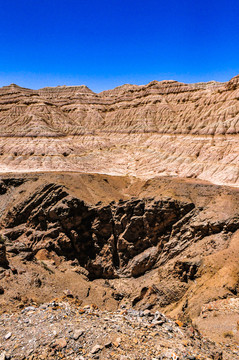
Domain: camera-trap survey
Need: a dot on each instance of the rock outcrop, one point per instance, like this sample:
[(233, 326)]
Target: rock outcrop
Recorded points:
[(163, 128), (120, 239)]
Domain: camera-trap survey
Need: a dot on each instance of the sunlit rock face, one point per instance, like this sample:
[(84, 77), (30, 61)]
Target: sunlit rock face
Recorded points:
[(163, 128)]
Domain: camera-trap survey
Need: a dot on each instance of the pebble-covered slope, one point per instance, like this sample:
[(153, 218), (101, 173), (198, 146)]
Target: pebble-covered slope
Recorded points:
[(162, 128), (60, 330)]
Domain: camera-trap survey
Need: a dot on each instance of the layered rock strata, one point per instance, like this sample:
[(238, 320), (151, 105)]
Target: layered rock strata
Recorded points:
[(164, 128)]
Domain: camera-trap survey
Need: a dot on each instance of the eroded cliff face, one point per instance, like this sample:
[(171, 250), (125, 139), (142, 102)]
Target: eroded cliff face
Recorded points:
[(121, 239), (164, 128)]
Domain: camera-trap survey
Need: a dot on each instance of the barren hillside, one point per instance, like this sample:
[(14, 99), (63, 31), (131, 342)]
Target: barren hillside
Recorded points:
[(160, 129)]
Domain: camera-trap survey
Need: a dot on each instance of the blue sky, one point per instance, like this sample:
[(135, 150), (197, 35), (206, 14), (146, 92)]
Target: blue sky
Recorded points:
[(107, 43)]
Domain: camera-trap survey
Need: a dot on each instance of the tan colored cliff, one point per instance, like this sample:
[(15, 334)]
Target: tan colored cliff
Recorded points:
[(163, 128)]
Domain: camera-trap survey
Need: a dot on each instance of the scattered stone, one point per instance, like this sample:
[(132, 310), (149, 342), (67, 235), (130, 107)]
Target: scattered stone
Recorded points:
[(97, 348), (8, 335), (169, 328), (29, 308), (60, 343), (1, 290), (35, 336), (68, 293), (108, 344), (158, 322), (146, 312), (93, 307), (86, 307), (217, 356), (3, 355), (117, 342), (78, 333), (179, 323)]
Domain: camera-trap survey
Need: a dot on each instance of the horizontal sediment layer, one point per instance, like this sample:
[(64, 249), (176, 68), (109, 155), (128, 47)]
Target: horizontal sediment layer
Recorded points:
[(210, 158), (163, 128)]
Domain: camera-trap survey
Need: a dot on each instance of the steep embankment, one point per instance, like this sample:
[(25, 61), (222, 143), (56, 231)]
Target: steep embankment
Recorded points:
[(163, 128)]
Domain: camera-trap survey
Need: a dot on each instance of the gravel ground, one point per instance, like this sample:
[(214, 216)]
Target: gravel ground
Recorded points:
[(63, 330)]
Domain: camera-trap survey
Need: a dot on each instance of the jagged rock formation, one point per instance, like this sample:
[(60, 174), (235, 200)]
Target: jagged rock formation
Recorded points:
[(164, 128), (124, 238)]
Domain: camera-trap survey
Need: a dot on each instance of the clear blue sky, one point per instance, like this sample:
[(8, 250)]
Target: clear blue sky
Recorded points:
[(105, 43)]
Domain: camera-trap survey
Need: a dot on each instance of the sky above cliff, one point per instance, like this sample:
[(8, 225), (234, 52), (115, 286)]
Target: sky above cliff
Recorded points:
[(107, 43)]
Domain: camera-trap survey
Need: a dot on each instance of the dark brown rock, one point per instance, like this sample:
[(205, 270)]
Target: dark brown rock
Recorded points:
[(3, 257)]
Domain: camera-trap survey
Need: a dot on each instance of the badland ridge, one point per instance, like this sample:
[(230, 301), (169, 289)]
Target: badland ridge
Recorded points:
[(163, 128)]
